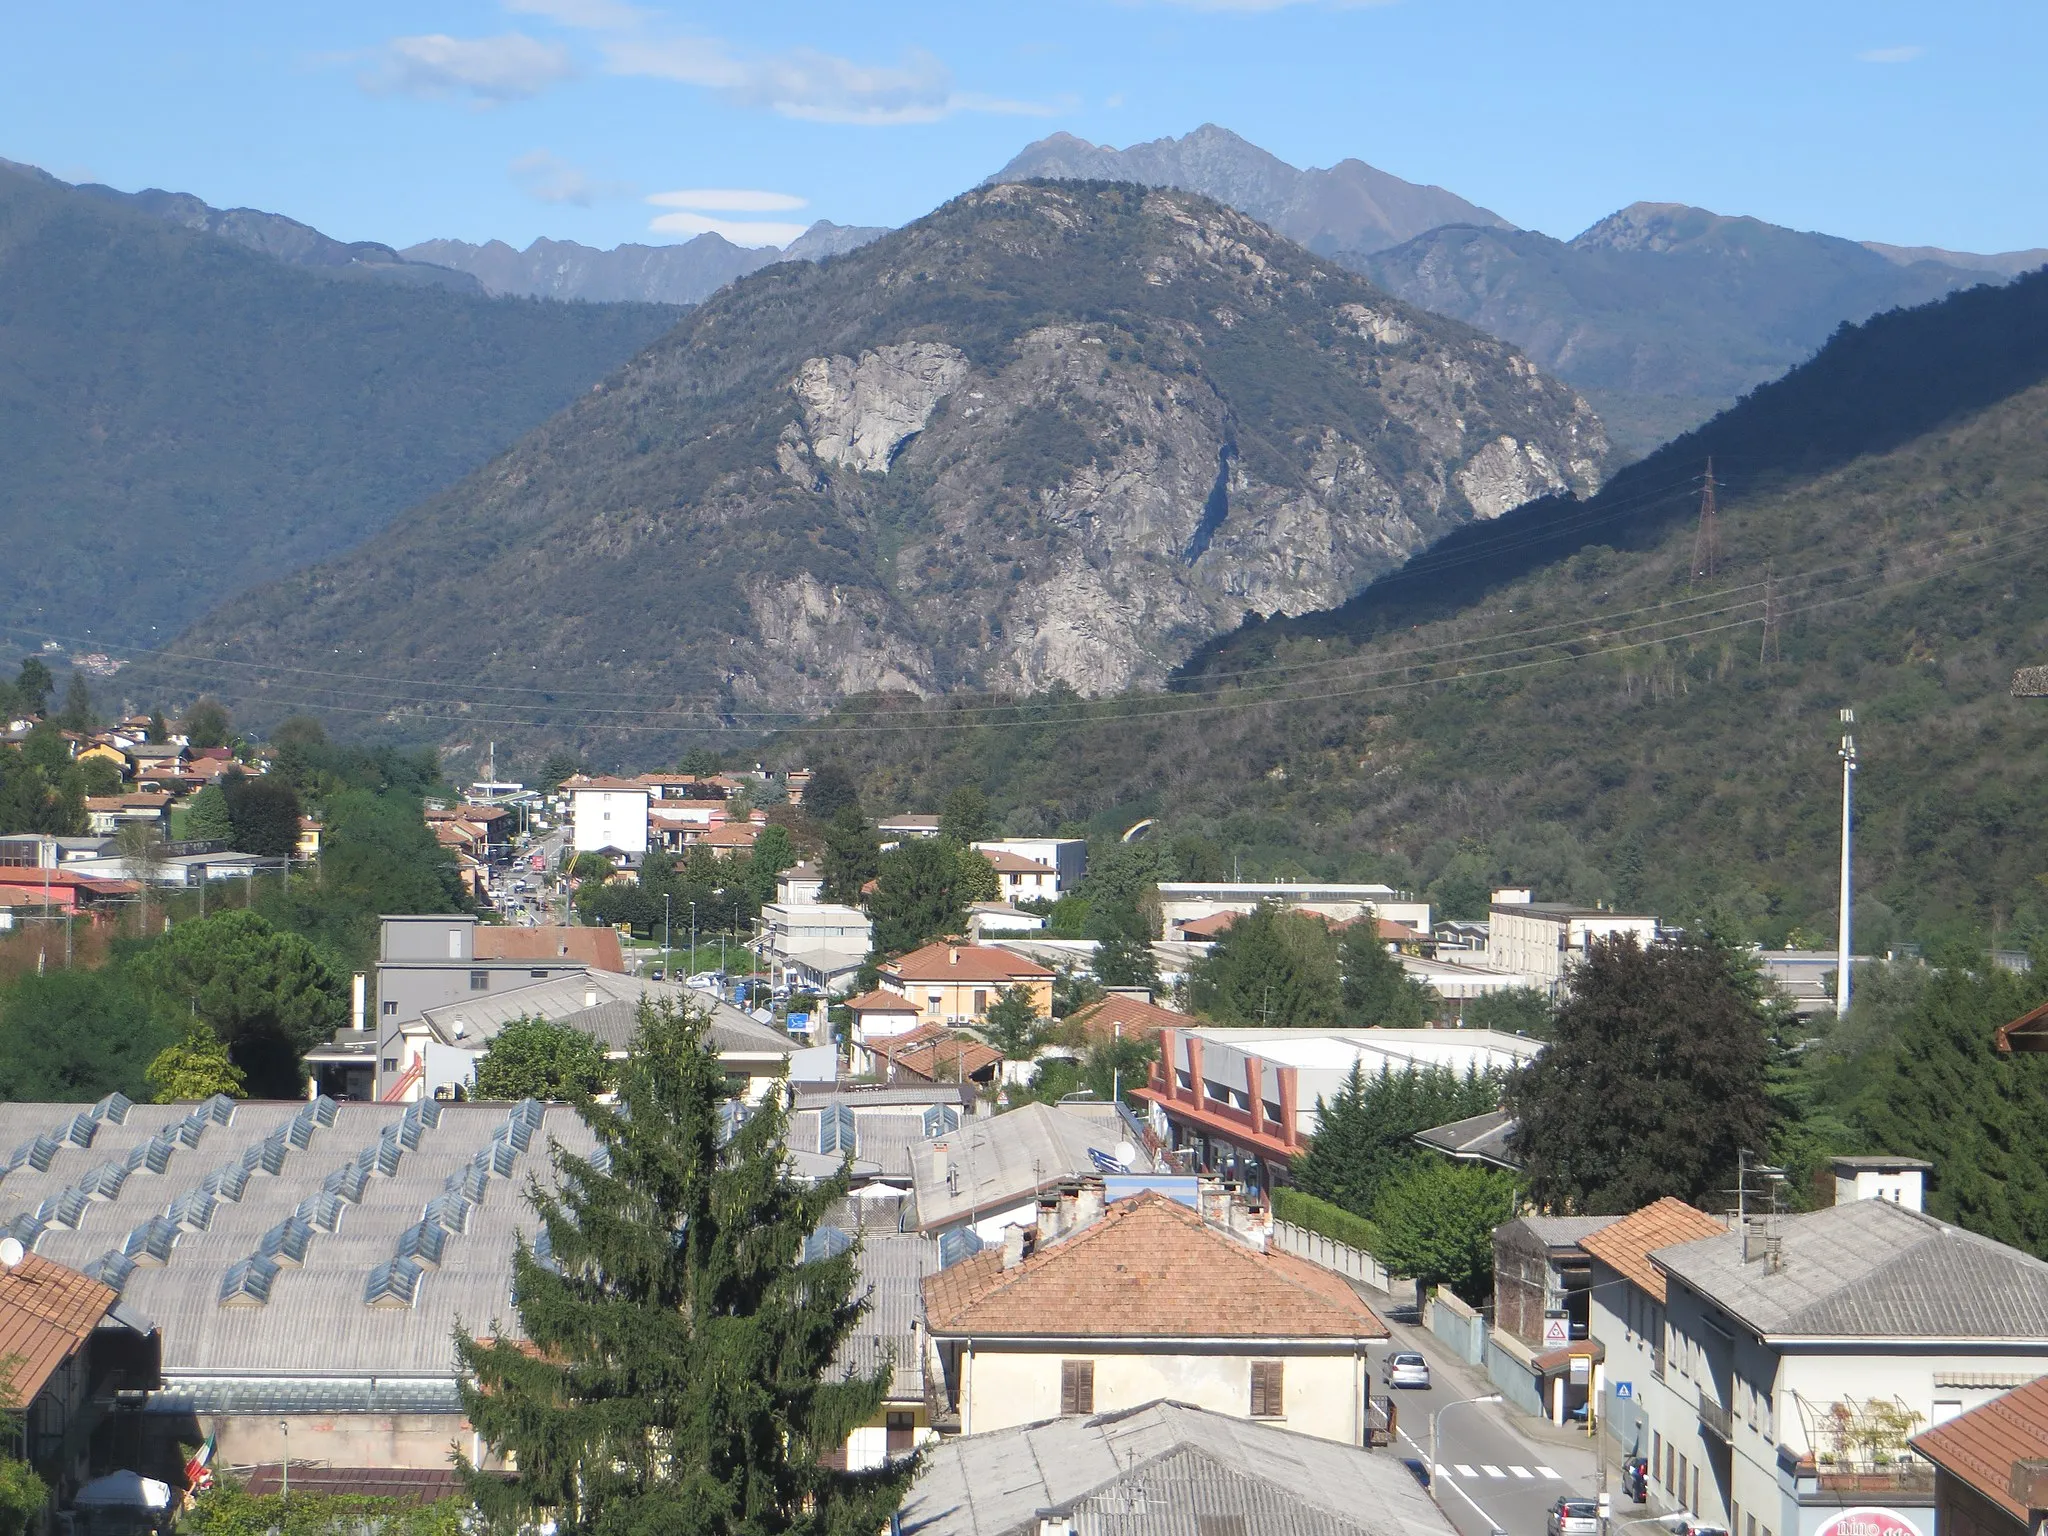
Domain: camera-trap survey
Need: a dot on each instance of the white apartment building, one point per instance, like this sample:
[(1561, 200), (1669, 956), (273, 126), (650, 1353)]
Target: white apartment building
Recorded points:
[(608, 816), (819, 944), (1066, 857), (1543, 940), (1775, 1383)]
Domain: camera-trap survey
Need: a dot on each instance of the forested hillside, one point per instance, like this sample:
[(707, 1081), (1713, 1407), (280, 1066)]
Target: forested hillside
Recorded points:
[(181, 417), (1566, 699)]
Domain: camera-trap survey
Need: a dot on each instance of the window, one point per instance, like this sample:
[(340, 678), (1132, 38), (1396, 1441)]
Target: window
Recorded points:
[(1077, 1386), (1657, 1468), (902, 1435), (391, 1007), (538, 975), (1752, 1526), (479, 981), (1267, 1399), (1695, 1505), (980, 1002)]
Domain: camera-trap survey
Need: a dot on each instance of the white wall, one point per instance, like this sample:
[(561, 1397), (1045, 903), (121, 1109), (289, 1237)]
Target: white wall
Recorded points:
[(1322, 1393), (610, 818)]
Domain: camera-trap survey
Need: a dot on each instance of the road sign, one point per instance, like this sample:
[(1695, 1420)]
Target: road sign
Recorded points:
[(1557, 1329), (1623, 1390)]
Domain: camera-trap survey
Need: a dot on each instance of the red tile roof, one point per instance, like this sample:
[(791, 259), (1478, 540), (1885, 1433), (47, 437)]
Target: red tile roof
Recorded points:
[(935, 1055), (46, 1314), (597, 948), (1980, 1447), (1137, 1016), (964, 962), (879, 1001), (1008, 863), (1208, 927), (1149, 1268), (1625, 1246), (580, 781)]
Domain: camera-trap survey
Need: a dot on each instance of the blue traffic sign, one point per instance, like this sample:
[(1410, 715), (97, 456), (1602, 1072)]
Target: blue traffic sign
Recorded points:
[(1624, 1389)]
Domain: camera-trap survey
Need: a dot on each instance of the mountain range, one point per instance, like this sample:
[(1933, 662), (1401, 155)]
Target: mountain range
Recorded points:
[(1052, 435), (1660, 314), (182, 418), (1589, 697), (687, 273)]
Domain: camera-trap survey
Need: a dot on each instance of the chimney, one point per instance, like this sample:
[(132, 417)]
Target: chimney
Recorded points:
[(952, 956), (590, 997), (1013, 1246), (1049, 1223), (1089, 1201), (358, 1005), (940, 1157)]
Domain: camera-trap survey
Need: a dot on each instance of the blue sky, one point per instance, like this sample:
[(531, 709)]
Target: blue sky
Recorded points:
[(607, 120)]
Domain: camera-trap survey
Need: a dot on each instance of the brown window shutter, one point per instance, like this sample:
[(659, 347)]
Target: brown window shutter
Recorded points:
[(1267, 1393), (1077, 1386)]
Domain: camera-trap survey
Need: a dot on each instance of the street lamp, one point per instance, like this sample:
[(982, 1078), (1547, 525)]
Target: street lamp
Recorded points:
[(284, 1428), (666, 963), (1491, 1397)]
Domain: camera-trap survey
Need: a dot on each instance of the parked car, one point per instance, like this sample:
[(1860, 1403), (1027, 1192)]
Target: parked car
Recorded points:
[(1405, 1368), (1574, 1517)]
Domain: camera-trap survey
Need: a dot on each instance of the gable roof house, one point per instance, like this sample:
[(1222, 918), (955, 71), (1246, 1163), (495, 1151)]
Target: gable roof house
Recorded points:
[(954, 982), (1166, 1469), (1991, 1465), (1146, 1300), (989, 1173), (1799, 1351)]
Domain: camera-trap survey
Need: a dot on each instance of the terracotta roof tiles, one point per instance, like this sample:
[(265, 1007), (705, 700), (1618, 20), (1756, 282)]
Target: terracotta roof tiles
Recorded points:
[(965, 962), (1625, 1246), (1148, 1268), (46, 1314), (1980, 1446)]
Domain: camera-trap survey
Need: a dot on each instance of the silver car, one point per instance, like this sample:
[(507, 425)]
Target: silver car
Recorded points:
[(1405, 1368), (1574, 1517)]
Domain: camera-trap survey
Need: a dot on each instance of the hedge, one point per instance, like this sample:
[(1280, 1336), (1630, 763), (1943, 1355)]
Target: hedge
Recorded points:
[(1332, 1221)]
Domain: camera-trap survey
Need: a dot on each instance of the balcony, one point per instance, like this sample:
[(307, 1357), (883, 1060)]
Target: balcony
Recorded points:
[(1717, 1420), (1894, 1477)]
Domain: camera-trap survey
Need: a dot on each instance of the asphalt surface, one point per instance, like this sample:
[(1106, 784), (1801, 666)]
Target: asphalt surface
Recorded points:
[(1496, 1470)]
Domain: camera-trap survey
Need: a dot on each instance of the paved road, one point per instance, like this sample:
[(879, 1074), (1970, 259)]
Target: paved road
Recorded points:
[(1490, 1476)]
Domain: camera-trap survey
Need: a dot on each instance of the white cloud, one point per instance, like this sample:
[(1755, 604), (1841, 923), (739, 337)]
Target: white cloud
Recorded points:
[(1904, 55), (590, 15), (493, 69), (548, 178), (738, 231), (808, 84), (727, 200)]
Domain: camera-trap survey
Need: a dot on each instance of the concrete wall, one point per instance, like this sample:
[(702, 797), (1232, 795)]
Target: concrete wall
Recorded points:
[(333, 1439), (1323, 1394), (1463, 1329), (1355, 1263)]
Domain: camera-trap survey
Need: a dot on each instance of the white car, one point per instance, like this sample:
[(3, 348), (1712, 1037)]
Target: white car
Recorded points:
[(1573, 1517), (1405, 1368)]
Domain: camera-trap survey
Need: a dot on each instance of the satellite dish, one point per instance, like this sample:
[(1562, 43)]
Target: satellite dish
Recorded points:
[(11, 1252)]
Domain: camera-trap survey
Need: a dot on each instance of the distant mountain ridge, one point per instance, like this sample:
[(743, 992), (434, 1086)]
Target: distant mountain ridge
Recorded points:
[(1050, 435), (687, 273), (1351, 206), (270, 234)]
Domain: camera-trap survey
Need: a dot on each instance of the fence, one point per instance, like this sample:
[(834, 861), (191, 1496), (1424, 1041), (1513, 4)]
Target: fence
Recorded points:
[(1354, 1263), (1458, 1326)]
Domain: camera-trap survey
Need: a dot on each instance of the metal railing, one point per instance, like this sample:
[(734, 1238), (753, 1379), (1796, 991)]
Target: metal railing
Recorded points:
[(1717, 1420)]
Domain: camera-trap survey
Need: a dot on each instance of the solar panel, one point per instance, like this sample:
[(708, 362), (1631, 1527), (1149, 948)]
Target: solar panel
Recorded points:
[(247, 1282)]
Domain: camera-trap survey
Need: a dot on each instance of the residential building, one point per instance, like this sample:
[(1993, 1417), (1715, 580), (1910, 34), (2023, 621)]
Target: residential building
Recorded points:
[(1539, 1352), (930, 1053), (991, 1173), (889, 1334), (106, 814), (77, 1361), (1625, 1313), (897, 829), (1543, 940), (801, 885), (310, 833), (1066, 857), (954, 982), (435, 1055), (1132, 1016), (425, 961), (1109, 1309), (1800, 1351), (878, 1016), (730, 838), (67, 889), (1021, 879), (1880, 1177), (1458, 983), (996, 919), (608, 816), (1245, 1100), (1180, 1470), (1991, 1466), (820, 946), (1185, 901)]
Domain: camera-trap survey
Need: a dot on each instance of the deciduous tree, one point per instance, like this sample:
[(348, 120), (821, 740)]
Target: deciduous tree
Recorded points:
[(965, 818), (542, 1059), (207, 724), (1014, 1025), (197, 1067), (1653, 1079), (676, 1374), (1436, 1224), (831, 790)]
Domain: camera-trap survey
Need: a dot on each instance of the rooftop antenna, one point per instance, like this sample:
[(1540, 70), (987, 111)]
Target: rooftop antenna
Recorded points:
[(1848, 756), (1706, 546)]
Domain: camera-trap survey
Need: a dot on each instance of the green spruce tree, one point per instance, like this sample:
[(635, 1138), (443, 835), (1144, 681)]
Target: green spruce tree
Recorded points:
[(675, 1376)]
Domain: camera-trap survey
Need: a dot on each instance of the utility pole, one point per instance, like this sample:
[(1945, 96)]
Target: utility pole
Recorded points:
[(1768, 646), (1842, 937), (693, 937), (665, 938), (1706, 545)]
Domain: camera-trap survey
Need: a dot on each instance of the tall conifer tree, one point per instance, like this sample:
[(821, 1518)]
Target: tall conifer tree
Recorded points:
[(675, 1375)]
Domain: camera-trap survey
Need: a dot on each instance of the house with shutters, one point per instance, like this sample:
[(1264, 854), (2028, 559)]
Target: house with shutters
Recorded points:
[(955, 982), (1103, 1308)]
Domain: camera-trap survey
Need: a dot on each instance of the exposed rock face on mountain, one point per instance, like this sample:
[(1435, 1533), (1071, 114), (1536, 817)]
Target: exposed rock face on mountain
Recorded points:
[(1349, 207), (1660, 313), (662, 274), (1052, 433), (270, 234)]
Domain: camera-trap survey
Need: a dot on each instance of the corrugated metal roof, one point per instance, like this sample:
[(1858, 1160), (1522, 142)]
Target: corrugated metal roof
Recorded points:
[(1873, 1269), (1184, 1461), (601, 1004), (316, 1321), (999, 1161), (892, 1270)]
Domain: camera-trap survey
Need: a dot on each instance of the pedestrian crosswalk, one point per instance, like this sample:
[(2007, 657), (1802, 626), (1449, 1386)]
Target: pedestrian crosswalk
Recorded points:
[(1510, 1471)]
